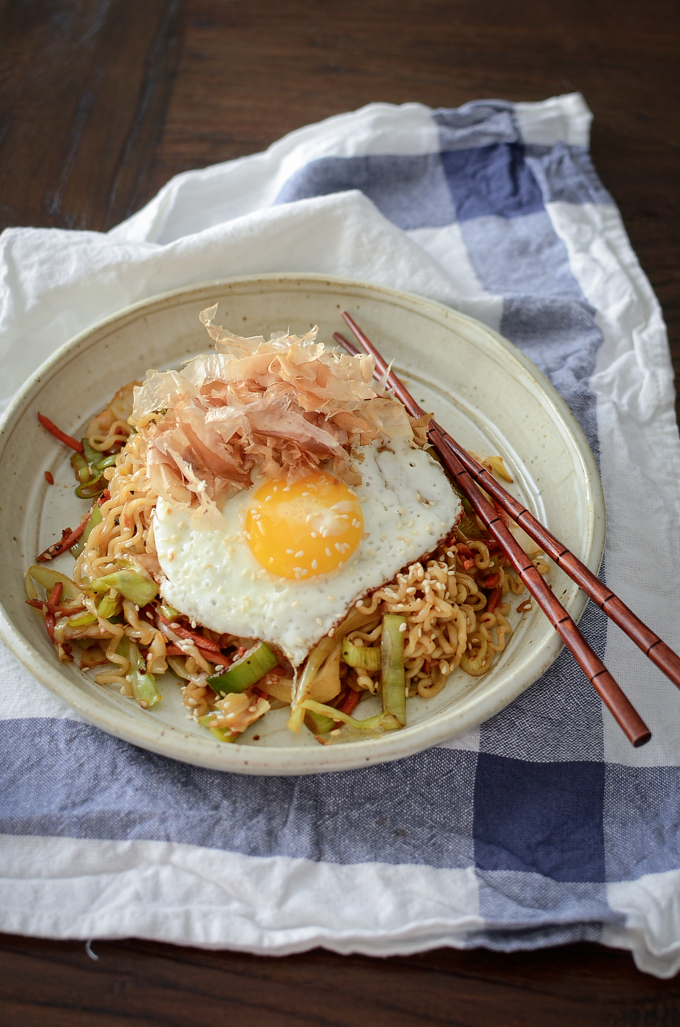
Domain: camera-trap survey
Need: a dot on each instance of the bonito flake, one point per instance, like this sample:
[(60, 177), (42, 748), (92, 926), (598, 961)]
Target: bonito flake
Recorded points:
[(283, 406)]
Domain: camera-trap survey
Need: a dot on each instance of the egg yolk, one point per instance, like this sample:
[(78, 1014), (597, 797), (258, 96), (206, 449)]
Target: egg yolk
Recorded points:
[(305, 529)]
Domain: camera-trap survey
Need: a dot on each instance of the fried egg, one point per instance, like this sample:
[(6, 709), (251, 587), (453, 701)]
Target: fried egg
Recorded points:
[(284, 563)]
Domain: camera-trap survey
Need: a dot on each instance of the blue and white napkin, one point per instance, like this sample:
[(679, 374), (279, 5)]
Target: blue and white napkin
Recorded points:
[(543, 825)]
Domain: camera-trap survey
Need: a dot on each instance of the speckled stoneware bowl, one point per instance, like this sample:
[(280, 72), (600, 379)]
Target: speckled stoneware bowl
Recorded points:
[(480, 387)]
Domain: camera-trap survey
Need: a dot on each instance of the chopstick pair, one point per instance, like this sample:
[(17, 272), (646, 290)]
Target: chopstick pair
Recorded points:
[(466, 471)]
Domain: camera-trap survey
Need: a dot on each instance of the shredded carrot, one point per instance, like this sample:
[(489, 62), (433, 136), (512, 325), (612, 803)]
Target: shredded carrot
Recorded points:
[(493, 600), (68, 539), (194, 636), (50, 621), (68, 440), (209, 654), (491, 581), (350, 703), (38, 605)]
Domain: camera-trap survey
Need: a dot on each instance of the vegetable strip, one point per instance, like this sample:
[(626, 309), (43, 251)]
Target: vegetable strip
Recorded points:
[(68, 539), (68, 440), (50, 618), (244, 672), (193, 636), (392, 670), (381, 721)]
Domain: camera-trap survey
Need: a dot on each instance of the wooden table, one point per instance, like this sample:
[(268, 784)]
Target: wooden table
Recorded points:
[(102, 101)]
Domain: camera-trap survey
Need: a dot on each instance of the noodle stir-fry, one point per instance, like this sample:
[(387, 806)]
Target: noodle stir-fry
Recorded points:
[(447, 610)]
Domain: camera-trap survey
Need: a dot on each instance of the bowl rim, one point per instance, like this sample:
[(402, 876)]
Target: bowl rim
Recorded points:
[(175, 743)]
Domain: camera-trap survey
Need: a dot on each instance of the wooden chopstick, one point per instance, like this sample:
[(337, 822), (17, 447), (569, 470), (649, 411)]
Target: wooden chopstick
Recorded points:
[(651, 645), (598, 675)]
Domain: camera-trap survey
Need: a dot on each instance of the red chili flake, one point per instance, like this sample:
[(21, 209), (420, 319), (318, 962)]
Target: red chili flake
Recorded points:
[(49, 477), (68, 440), (491, 581), (464, 550)]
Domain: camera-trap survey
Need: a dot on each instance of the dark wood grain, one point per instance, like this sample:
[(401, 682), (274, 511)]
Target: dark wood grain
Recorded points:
[(101, 101), (84, 93), (144, 984)]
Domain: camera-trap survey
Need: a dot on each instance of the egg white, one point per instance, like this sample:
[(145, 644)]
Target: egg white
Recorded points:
[(213, 578)]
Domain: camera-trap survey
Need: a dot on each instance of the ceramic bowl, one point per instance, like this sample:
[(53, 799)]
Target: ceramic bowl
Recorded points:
[(480, 387)]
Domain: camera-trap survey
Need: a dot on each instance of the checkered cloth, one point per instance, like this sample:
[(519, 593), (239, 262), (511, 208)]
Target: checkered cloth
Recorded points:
[(543, 825)]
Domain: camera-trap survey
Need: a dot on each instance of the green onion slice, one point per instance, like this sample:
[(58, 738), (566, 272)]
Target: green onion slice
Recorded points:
[(90, 489), (243, 673), (318, 723), (381, 721), (360, 656), (48, 578), (93, 520), (82, 620), (143, 684), (392, 670), (138, 589), (91, 454), (80, 466)]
